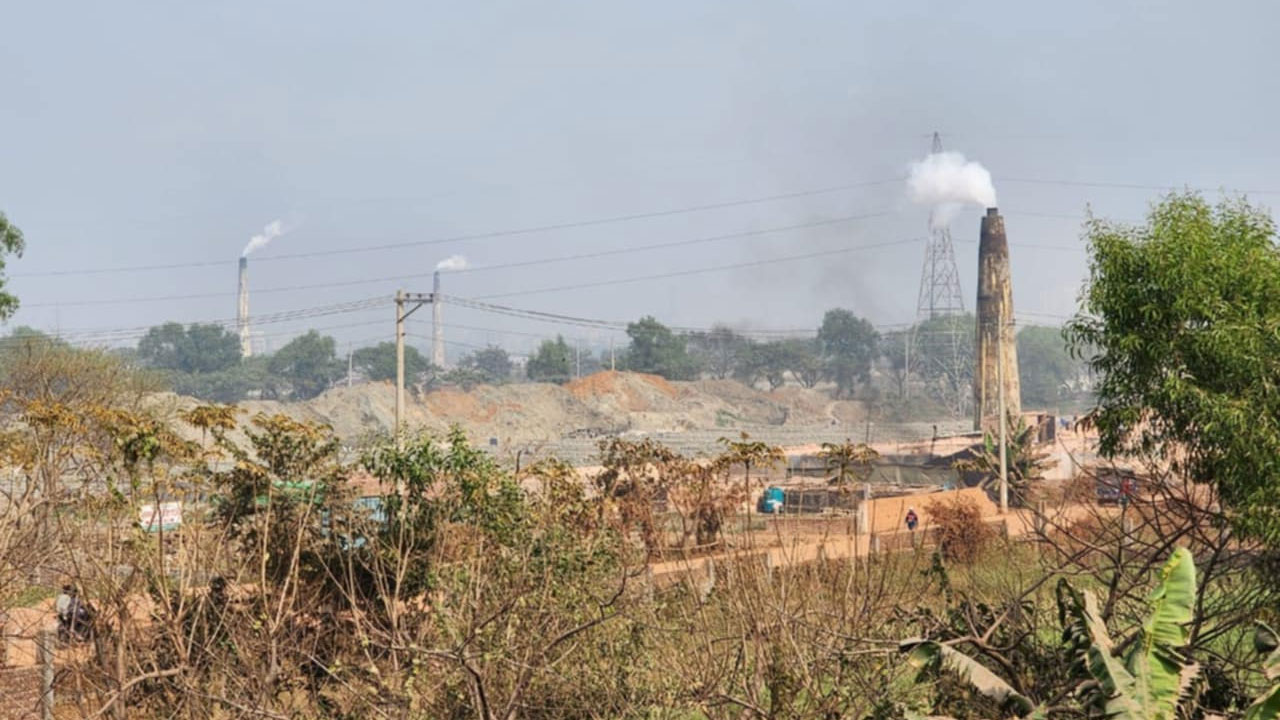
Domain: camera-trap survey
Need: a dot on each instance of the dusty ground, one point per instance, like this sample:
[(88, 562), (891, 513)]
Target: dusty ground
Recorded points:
[(569, 419)]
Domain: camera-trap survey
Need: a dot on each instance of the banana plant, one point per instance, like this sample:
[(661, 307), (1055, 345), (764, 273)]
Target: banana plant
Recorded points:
[(1148, 683), (931, 656), (1154, 678), (1152, 682)]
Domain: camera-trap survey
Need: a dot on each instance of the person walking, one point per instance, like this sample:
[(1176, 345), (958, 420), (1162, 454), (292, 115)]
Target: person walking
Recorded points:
[(64, 607), (912, 519)]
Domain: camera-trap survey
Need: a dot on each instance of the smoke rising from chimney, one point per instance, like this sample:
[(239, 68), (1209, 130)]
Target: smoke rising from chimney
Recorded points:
[(273, 230), (946, 181), (453, 262)]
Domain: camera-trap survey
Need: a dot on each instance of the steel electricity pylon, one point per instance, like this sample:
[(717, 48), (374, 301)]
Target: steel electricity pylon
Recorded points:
[(939, 339), (939, 280)]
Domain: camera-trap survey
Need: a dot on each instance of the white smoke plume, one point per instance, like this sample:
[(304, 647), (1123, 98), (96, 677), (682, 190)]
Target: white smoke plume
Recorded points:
[(453, 262), (273, 230), (946, 180)]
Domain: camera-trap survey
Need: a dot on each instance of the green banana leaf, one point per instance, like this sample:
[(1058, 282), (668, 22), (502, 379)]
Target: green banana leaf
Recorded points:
[(1154, 679), (927, 654), (1163, 676)]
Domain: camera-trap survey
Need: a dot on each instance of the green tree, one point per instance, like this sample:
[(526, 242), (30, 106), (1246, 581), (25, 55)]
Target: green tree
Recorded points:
[(24, 340), (1025, 462), (1179, 325), (1048, 373), (197, 348), (848, 347), (378, 362), (655, 349), (307, 365), (11, 243), (901, 352), (464, 377), (773, 360), (552, 362), (749, 453), (943, 356), (492, 363), (749, 363), (717, 350), (230, 385), (804, 360), (434, 485), (849, 461)]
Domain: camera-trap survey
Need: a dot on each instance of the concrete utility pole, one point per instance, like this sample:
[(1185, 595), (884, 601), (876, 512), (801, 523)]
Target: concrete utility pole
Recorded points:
[(350, 355), (1004, 421), (44, 653), (613, 361), (577, 358), (402, 298)]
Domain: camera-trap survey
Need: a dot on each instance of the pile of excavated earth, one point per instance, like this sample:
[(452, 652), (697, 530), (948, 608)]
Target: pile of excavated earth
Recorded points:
[(600, 405)]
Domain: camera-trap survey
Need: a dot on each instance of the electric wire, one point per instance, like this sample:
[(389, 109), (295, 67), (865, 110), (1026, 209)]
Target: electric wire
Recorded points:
[(424, 274), (699, 271), (551, 227), (468, 237)]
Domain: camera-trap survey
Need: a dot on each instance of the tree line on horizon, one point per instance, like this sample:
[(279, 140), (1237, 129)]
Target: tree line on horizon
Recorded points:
[(932, 359)]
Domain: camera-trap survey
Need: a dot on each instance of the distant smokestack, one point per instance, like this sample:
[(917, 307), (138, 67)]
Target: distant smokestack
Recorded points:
[(437, 322), (242, 311), (997, 351)]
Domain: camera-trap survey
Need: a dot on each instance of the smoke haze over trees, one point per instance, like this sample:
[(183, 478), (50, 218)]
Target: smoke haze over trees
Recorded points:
[(918, 372)]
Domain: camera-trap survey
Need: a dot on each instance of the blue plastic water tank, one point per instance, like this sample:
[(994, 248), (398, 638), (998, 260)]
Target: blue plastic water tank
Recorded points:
[(771, 500)]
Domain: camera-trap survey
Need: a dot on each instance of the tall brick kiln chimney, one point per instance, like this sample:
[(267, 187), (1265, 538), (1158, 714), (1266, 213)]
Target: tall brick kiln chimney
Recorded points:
[(242, 309), (996, 352), (437, 322)]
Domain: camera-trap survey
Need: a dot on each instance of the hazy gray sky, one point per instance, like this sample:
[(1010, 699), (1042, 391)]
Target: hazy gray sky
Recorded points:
[(159, 133)]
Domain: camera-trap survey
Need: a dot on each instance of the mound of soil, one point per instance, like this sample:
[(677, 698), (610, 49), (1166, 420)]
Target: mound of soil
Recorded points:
[(526, 414)]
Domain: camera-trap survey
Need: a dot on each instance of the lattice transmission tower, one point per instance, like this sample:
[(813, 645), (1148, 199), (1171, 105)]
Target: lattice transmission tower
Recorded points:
[(939, 280), (941, 338)]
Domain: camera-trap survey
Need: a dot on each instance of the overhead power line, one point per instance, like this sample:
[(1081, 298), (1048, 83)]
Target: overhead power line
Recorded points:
[(597, 324), (502, 266), (676, 243), (699, 271), (483, 235), (619, 219), (256, 320)]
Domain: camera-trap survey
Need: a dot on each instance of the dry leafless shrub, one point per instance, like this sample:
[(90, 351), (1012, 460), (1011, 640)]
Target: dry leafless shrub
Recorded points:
[(961, 532)]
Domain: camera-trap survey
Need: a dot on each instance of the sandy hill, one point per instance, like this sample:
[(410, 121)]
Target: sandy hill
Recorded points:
[(605, 403)]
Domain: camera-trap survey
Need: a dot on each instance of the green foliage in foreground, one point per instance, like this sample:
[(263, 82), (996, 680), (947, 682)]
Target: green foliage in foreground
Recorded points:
[(1153, 680), (1180, 323)]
